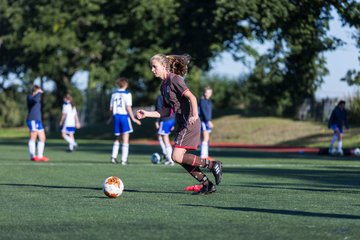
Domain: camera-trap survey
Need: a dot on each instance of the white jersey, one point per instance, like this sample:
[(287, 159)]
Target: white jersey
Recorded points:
[(120, 99), (70, 115)]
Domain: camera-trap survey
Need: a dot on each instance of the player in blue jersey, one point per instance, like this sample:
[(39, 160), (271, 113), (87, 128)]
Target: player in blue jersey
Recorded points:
[(337, 119), (35, 126), (164, 126), (120, 107), (69, 122), (205, 113)]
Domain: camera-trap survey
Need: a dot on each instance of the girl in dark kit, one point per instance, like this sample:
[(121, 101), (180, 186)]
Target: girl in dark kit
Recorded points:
[(178, 99)]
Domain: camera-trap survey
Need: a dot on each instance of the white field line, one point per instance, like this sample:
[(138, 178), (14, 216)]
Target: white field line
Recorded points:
[(54, 164)]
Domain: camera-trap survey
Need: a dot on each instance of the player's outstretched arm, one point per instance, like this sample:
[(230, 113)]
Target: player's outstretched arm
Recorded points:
[(141, 114), (130, 112)]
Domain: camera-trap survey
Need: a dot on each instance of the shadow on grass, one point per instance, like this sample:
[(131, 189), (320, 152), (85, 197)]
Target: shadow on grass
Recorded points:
[(48, 186), (329, 177), (280, 211), (294, 187)]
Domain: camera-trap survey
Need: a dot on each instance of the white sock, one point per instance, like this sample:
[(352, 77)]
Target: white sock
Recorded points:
[(162, 145), (124, 152), (333, 140), (32, 148), (40, 148), (339, 145), (70, 141), (168, 153), (204, 150), (115, 150)]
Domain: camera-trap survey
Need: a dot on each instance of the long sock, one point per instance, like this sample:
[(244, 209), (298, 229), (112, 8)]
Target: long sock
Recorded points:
[(115, 150), (70, 141), (40, 148), (193, 160), (333, 140), (162, 145), (32, 148), (204, 150), (196, 173), (124, 152), (339, 145), (168, 152)]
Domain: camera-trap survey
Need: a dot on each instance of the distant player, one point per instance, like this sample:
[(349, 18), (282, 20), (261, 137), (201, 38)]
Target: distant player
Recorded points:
[(179, 99), (34, 123), (164, 126), (205, 113), (120, 107), (69, 122), (337, 119)]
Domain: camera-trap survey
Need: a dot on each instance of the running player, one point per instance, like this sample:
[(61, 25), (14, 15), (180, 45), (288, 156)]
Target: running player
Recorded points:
[(120, 107), (337, 119), (34, 123), (178, 99), (164, 126), (205, 113), (69, 122)]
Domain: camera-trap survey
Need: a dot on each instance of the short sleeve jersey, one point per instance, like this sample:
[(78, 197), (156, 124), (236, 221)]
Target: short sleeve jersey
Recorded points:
[(70, 114), (34, 107), (120, 99), (173, 89)]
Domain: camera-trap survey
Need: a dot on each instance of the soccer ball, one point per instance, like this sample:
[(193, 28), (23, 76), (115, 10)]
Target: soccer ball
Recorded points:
[(155, 158), (357, 151), (113, 187)]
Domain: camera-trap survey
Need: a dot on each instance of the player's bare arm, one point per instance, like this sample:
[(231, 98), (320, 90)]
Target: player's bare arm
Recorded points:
[(194, 110)]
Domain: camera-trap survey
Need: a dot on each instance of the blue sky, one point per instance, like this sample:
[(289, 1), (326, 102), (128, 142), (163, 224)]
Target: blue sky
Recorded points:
[(338, 62)]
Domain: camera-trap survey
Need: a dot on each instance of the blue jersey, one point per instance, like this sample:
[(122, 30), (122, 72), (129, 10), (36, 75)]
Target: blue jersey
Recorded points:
[(34, 107), (205, 109), (338, 117)]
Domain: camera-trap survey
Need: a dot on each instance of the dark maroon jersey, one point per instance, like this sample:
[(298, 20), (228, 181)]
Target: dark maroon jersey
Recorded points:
[(173, 89)]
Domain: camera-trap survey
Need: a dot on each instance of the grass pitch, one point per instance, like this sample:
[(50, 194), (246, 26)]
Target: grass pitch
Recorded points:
[(262, 196)]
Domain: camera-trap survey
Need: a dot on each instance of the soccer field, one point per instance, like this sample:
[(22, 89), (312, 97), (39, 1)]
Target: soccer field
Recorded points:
[(262, 196)]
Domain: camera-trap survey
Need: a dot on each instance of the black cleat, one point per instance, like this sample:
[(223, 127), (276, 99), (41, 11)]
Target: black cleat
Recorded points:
[(207, 189), (217, 171), (114, 160)]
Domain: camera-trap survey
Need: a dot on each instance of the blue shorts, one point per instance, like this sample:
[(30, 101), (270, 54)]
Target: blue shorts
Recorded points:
[(122, 124), (205, 126), (335, 126), (34, 125), (68, 129), (166, 126)]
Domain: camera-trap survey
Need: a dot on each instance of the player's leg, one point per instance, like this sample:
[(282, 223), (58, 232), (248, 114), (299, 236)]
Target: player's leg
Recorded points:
[(41, 145), (339, 146), (169, 150), (205, 144), (162, 145), (125, 148), (207, 186), (32, 145), (72, 143), (334, 138), (116, 145)]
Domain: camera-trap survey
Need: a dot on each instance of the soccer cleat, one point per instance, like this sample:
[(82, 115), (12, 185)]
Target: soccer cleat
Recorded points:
[(169, 163), (124, 163), (207, 189), (44, 159), (194, 188), (114, 160), (340, 152), (35, 159), (217, 171)]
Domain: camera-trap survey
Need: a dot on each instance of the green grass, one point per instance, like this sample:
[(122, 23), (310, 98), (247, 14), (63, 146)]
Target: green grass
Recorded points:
[(262, 196)]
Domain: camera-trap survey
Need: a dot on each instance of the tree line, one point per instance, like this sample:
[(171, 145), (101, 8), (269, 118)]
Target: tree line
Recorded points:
[(52, 40)]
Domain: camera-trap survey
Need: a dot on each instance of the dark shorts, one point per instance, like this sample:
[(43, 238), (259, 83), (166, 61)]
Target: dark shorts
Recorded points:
[(187, 136)]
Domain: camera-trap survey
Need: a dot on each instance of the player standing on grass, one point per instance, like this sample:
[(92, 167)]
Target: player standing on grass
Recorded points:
[(164, 126), (120, 107), (178, 99), (337, 119), (69, 122), (205, 113), (35, 126)]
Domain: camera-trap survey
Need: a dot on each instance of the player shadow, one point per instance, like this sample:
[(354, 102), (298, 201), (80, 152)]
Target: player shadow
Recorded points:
[(332, 178), (285, 186), (49, 186), (279, 211)]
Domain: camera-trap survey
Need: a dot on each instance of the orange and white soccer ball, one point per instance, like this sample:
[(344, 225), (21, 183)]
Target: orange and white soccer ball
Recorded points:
[(113, 187)]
